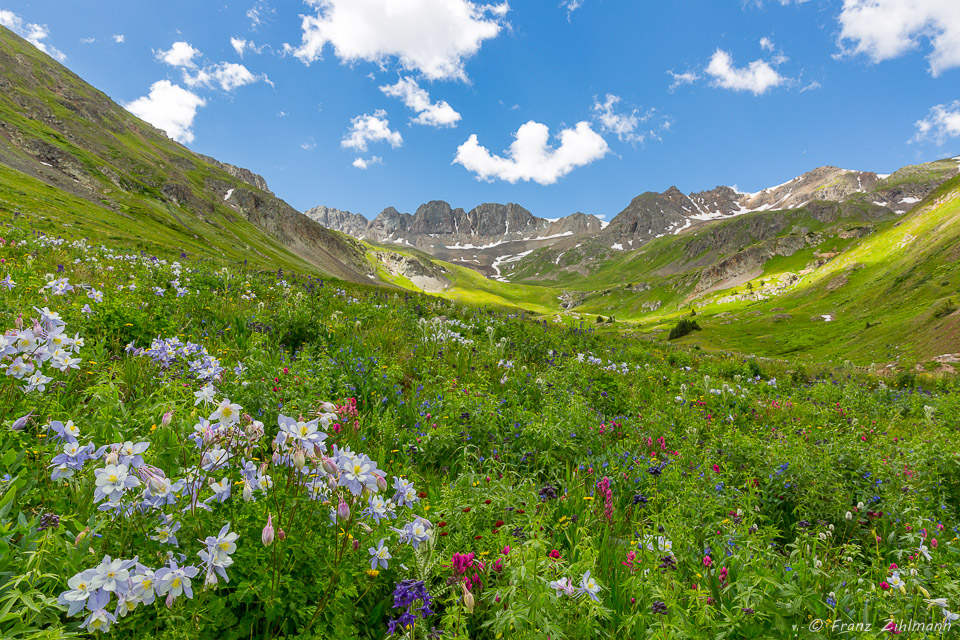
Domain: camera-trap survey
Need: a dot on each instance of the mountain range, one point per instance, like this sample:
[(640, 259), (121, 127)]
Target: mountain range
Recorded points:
[(490, 235)]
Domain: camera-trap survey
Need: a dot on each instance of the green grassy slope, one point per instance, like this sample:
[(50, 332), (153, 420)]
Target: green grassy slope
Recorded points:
[(84, 166), (890, 297)]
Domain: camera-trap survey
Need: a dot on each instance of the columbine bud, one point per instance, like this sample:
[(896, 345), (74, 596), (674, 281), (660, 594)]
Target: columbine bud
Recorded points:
[(332, 483), (112, 458), (381, 483), (299, 458), (167, 417), (281, 535), (468, 600), (365, 527), (275, 457), (343, 510), (267, 536), (328, 407), (329, 466), (81, 536), (247, 492), (356, 545), (21, 422)]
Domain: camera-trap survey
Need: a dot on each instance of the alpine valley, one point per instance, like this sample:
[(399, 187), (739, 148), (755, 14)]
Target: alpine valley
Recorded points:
[(835, 264)]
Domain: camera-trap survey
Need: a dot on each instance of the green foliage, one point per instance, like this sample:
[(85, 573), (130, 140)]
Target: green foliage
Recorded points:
[(682, 328), (943, 309), (506, 425)]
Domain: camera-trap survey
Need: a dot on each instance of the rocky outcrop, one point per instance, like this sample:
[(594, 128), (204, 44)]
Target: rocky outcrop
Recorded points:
[(352, 224), (241, 174), (424, 275), (748, 262), (342, 256)]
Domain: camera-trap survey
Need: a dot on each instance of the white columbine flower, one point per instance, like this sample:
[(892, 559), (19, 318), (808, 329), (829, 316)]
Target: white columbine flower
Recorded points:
[(227, 413)]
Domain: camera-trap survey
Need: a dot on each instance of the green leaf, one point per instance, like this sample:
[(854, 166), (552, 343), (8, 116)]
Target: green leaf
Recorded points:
[(6, 503)]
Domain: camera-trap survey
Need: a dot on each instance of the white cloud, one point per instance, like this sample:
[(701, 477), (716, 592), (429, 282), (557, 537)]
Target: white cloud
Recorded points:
[(168, 107), (361, 163), (309, 144), (433, 37), (87, 40), (941, 123), (119, 38), (766, 44), (571, 6), (622, 125), (32, 32), (366, 128), (688, 77), (181, 54), (259, 13), (227, 75), (530, 156), (435, 114), (241, 46), (885, 29), (813, 84), (757, 77)]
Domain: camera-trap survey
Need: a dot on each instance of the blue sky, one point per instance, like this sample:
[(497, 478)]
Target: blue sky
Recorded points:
[(566, 106)]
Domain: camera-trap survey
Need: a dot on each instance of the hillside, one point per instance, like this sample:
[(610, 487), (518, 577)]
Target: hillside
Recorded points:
[(77, 164), (848, 280)]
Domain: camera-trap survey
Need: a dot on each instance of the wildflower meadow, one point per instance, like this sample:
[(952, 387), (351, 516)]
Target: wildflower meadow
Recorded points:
[(193, 449)]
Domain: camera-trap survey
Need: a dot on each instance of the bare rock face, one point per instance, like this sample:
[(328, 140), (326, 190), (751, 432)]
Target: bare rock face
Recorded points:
[(352, 224), (475, 238), (244, 175), (650, 215)]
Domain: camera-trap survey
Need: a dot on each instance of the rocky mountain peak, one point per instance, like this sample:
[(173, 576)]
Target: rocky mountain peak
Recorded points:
[(244, 175), (352, 224)]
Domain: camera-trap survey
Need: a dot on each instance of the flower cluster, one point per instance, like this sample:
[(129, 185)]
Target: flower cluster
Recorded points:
[(92, 591), (24, 353), (407, 595)]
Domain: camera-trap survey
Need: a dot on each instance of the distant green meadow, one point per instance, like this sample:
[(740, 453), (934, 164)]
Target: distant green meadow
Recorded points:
[(198, 449)]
